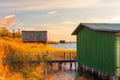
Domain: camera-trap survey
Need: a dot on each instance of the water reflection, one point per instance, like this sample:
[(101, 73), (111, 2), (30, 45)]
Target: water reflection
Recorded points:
[(73, 75), (67, 74), (65, 46)]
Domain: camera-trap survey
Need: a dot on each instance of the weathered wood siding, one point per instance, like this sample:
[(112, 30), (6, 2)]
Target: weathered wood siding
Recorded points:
[(34, 36)]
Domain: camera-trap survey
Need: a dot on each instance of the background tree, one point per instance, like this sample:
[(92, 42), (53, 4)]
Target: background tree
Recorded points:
[(4, 32)]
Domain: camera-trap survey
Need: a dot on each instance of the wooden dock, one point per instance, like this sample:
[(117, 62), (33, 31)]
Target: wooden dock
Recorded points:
[(52, 61), (61, 61)]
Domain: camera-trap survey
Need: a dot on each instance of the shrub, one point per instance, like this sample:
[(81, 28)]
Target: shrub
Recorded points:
[(4, 32)]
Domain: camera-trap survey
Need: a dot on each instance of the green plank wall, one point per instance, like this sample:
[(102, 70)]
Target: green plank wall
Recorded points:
[(118, 54), (96, 50)]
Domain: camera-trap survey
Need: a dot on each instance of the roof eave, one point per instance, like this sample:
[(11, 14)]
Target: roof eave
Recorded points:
[(76, 31)]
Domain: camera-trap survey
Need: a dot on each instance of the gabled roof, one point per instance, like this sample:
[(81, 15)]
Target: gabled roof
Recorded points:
[(109, 27), (33, 31)]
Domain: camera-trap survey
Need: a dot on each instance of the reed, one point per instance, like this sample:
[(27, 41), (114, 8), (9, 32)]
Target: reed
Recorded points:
[(15, 51)]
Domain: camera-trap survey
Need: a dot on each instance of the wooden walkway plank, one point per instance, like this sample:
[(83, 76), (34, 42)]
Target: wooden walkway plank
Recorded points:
[(58, 61)]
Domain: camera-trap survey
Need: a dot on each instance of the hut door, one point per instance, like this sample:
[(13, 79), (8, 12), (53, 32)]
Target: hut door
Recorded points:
[(118, 56)]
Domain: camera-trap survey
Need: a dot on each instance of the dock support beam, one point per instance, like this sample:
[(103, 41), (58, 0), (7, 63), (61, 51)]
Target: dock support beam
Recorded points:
[(59, 66), (75, 66), (51, 64), (64, 55), (96, 73), (70, 65)]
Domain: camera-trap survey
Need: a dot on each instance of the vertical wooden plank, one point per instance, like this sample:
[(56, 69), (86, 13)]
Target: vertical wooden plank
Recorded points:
[(47, 52), (64, 58), (75, 66), (43, 57), (59, 66), (96, 49), (45, 71), (13, 33), (51, 66), (70, 65), (64, 55), (70, 56)]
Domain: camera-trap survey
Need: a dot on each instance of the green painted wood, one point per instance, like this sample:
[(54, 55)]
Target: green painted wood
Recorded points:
[(117, 54), (97, 50)]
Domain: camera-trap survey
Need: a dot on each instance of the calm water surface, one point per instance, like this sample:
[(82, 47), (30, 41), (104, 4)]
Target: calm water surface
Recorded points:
[(67, 74), (65, 46)]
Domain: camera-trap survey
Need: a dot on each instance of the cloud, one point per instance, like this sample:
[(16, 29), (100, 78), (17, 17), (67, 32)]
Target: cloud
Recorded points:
[(37, 5), (6, 21), (46, 4), (9, 16), (52, 12)]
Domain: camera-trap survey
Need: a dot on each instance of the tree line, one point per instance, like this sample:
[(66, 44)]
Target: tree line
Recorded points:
[(6, 33)]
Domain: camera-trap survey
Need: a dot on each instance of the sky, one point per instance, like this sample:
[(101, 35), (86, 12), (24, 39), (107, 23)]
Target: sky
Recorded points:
[(59, 17)]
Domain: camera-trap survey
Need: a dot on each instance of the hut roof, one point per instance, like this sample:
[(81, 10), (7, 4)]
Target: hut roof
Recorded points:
[(109, 27)]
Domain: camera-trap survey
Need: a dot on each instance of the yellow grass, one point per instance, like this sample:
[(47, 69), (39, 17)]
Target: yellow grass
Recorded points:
[(13, 50)]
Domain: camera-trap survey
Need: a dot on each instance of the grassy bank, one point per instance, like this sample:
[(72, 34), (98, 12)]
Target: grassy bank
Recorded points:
[(17, 55)]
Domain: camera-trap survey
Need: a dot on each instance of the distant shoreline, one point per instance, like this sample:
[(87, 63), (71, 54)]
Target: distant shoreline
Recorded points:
[(54, 42)]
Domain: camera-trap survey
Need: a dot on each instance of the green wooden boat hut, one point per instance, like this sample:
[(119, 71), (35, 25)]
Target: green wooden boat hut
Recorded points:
[(98, 47)]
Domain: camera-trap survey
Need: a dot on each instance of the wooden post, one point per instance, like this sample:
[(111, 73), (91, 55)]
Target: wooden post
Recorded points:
[(47, 52), (51, 66), (59, 66), (64, 58), (64, 55), (30, 61), (70, 65), (75, 66), (79, 67), (45, 71), (70, 56), (13, 33), (43, 57), (70, 62)]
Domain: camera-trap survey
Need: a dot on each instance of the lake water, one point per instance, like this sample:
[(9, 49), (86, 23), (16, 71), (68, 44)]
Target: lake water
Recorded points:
[(67, 74), (65, 45)]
